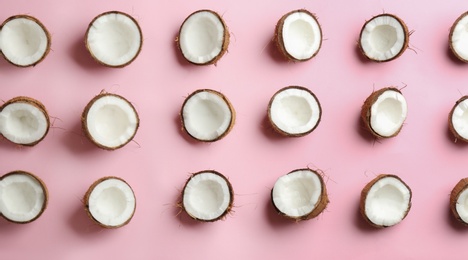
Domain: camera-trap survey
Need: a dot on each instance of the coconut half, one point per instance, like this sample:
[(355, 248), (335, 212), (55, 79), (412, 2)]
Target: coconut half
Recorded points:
[(207, 196), (203, 37), (458, 119), (384, 38), (23, 197), (24, 40), (384, 112), (24, 121), (459, 201), (300, 194), (110, 202), (458, 37), (207, 115), (114, 39), (385, 201), (110, 121), (294, 111), (298, 35)]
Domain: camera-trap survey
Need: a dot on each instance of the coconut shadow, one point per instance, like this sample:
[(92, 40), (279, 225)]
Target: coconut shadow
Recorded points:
[(184, 134), (267, 130), (361, 224), (274, 53), (77, 142), (455, 224), (362, 130), (81, 223), (454, 141), (178, 212), (361, 57), (83, 58), (274, 218), (451, 56)]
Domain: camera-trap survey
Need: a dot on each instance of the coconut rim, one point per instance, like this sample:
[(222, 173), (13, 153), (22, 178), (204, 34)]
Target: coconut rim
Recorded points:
[(88, 194), (118, 13), (34, 102), (231, 196), (279, 35), (405, 42), (84, 123), (320, 205), (44, 190), (284, 133), (365, 191), (452, 29), (450, 121), (226, 38), (48, 36), (228, 103), (457, 190)]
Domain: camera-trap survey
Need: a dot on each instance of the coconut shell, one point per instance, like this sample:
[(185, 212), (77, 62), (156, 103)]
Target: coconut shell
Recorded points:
[(38, 23), (456, 191), (279, 35), (452, 29), (321, 205), (226, 39), (365, 191), (89, 49), (88, 194), (405, 43), (366, 111), (44, 190), (450, 123), (276, 128), (84, 123), (35, 103), (231, 108), (231, 195)]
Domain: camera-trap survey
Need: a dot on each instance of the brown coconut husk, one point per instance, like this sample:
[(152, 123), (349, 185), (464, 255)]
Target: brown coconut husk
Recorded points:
[(44, 190), (405, 44), (86, 202), (43, 28), (450, 123), (231, 109), (451, 34), (228, 210), (366, 111), (226, 39), (35, 103), (456, 191), (365, 191), (89, 49), (84, 124), (321, 205), (276, 128), (278, 38)]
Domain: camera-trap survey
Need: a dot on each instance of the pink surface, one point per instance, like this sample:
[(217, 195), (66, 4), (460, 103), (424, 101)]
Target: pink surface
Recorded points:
[(157, 164)]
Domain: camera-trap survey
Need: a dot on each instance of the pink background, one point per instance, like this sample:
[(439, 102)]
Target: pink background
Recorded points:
[(157, 164)]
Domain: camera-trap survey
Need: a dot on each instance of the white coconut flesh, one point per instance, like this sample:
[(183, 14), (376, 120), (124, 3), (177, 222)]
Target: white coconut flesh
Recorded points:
[(207, 196), (202, 36), (112, 202), (296, 194), (383, 38), (23, 123), (111, 121), (388, 113), (459, 38), (22, 197), (207, 116), (460, 119), (387, 202), (114, 39), (462, 205), (23, 41), (294, 111), (301, 34)]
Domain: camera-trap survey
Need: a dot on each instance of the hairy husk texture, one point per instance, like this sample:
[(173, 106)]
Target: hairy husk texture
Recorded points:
[(86, 202), (228, 210), (278, 38), (405, 43), (450, 122), (84, 120), (226, 39), (452, 29), (231, 109), (276, 128), (35, 103), (454, 195), (365, 191), (366, 111), (320, 206), (44, 189), (49, 38)]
